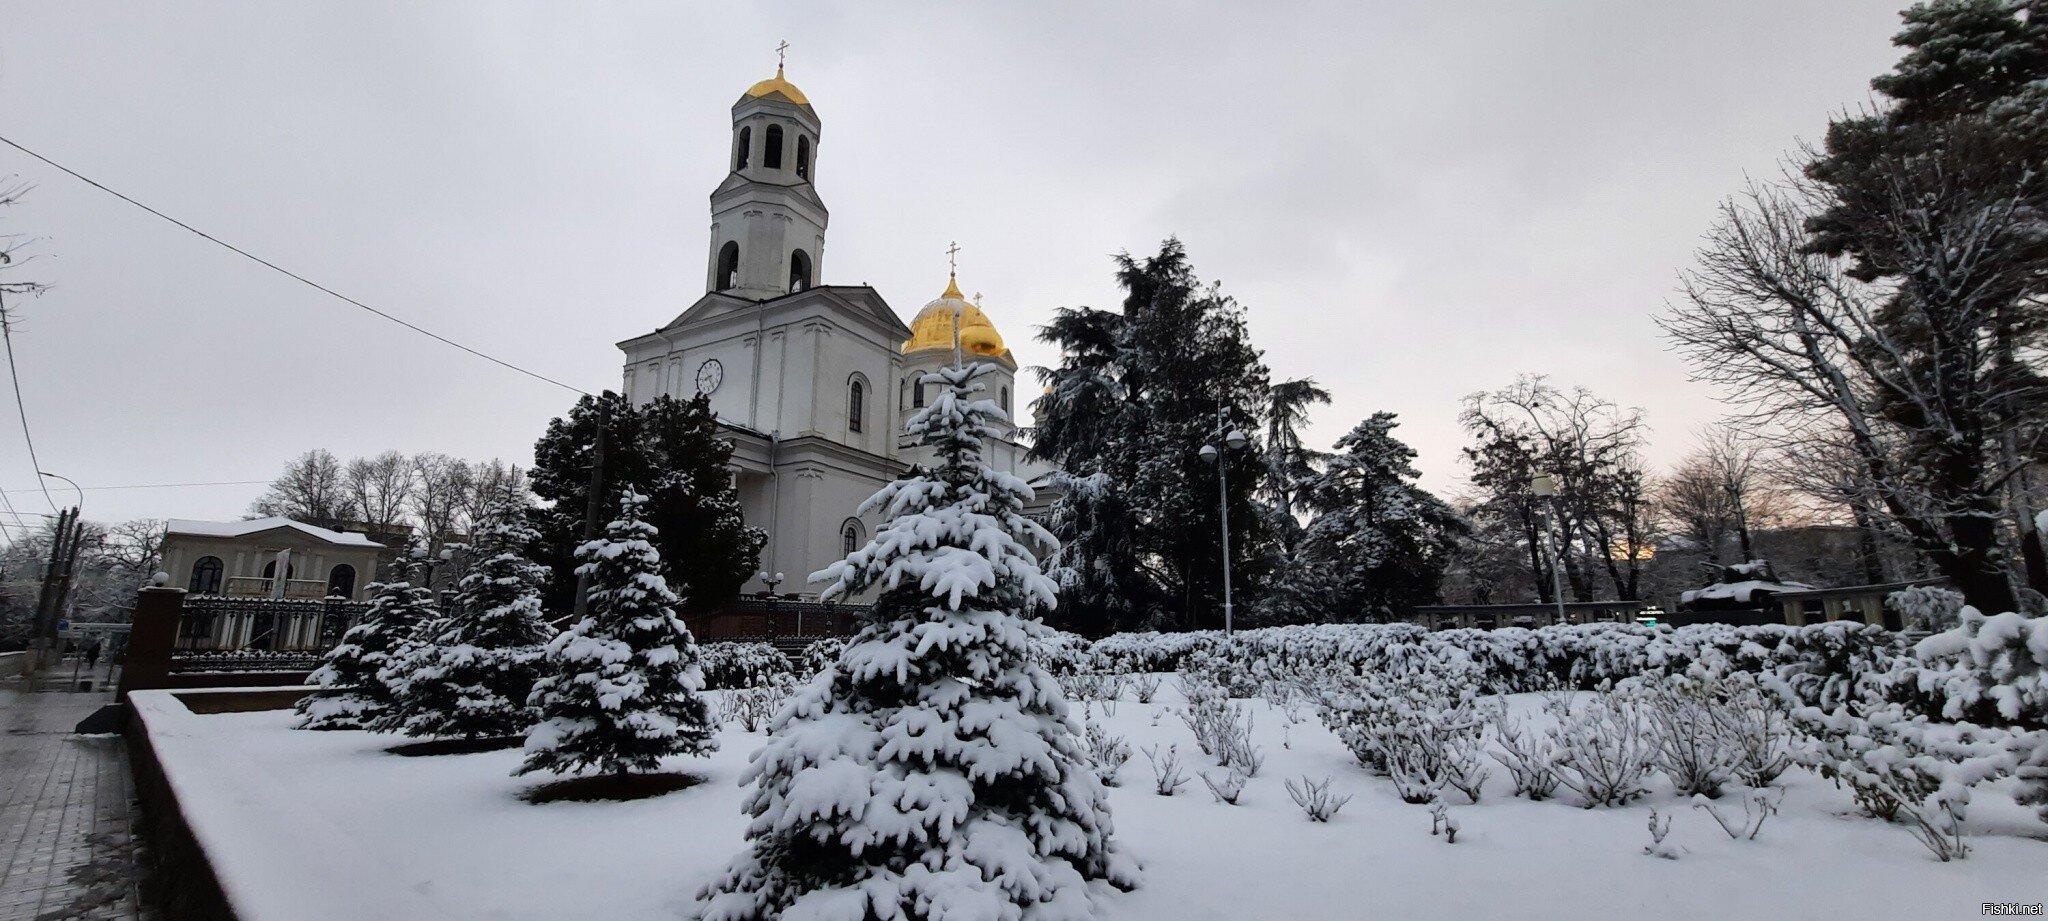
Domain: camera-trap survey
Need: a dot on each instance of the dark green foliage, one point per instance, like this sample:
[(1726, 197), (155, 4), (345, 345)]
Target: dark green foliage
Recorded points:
[(671, 450), (1133, 400)]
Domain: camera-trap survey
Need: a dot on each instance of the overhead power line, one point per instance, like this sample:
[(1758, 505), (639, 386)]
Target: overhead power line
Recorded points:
[(152, 486), (14, 374), (230, 247)]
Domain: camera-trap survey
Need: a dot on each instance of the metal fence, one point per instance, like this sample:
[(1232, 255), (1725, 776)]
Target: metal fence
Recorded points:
[(219, 623)]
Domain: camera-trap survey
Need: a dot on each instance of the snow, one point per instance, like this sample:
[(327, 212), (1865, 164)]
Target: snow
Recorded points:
[(1740, 591), (325, 826), (260, 525)]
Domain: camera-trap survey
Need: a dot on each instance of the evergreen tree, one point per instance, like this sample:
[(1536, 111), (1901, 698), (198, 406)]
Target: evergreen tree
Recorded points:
[(621, 688), (470, 675), (359, 697), (1379, 544), (1177, 353), (933, 771), (671, 451)]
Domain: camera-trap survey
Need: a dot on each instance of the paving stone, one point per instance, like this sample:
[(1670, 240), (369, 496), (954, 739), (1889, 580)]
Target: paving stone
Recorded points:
[(67, 806)]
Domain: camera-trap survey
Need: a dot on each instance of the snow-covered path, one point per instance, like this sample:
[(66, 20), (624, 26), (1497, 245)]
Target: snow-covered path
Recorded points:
[(313, 826)]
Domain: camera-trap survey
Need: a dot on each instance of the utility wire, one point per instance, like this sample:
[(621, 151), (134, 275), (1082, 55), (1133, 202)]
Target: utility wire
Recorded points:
[(3, 492), (14, 374), (289, 273)]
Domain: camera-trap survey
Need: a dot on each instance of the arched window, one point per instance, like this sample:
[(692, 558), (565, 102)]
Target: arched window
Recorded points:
[(799, 271), (1006, 399), (803, 157), (729, 265), (772, 157), (206, 576), (916, 393), (850, 537), (746, 146), (341, 581), (270, 570), (856, 403)]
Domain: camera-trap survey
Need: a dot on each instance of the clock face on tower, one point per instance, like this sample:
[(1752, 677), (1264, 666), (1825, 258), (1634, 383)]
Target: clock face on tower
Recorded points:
[(709, 375)]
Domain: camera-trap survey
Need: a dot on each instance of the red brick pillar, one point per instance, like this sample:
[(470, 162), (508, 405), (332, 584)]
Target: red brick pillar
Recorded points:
[(147, 663)]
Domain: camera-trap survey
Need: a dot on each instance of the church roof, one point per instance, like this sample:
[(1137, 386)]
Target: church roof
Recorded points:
[(933, 327), (777, 86)]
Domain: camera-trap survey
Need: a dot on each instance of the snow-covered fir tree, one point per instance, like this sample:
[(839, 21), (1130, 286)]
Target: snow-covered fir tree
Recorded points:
[(621, 686), (470, 676), (933, 771), (358, 696)]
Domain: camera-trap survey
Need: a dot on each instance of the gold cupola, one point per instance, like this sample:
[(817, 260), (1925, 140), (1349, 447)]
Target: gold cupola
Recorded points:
[(776, 85), (932, 330)]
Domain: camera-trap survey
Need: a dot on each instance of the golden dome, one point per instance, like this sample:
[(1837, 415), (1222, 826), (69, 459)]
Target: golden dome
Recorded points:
[(933, 328), (776, 84)]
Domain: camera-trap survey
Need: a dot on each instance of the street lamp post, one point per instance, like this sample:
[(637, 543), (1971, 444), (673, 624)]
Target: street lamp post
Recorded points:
[(66, 479), (1544, 486), (1231, 439)]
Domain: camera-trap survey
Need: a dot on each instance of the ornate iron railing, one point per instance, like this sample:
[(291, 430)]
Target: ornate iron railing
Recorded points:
[(220, 623)]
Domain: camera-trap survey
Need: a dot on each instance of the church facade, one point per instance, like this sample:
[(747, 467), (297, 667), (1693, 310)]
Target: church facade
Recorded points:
[(812, 382)]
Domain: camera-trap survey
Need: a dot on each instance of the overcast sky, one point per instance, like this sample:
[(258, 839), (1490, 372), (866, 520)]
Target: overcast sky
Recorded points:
[(1414, 200)]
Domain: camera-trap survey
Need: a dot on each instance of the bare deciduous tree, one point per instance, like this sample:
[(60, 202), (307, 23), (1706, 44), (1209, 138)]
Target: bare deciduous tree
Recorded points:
[(1905, 369), (310, 489), (379, 489)]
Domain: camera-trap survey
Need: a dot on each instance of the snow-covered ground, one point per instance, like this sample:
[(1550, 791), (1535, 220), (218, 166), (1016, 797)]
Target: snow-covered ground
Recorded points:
[(311, 826)]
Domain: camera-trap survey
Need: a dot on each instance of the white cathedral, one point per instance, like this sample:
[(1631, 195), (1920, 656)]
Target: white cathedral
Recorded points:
[(811, 382)]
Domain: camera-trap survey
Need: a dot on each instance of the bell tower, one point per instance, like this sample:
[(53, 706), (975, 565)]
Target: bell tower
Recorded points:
[(767, 221)]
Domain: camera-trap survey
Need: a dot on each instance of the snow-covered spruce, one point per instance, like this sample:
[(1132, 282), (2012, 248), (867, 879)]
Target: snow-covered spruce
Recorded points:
[(621, 688), (933, 771), (471, 676), (358, 698)]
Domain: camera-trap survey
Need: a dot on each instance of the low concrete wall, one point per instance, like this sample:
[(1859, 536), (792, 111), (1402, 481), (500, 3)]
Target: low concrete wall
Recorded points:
[(13, 664), (241, 700), (180, 882)]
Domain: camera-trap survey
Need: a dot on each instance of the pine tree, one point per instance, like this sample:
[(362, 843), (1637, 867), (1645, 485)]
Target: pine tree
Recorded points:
[(672, 451), (359, 698), (621, 688), (1379, 543), (933, 771), (1134, 398), (470, 676)]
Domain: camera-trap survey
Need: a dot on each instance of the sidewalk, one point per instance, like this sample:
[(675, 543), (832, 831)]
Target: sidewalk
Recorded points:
[(66, 813)]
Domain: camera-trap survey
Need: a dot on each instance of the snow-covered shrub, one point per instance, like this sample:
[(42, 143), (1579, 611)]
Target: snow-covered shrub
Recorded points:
[(1529, 755), (741, 665), (1756, 807), (1602, 753), (752, 707), (621, 686), (1899, 766), (1422, 730), (1441, 822), (357, 696), (1315, 799), (1758, 725), (1092, 686), (1063, 653), (933, 771), (822, 654), (1991, 670), (1228, 789), (1107, 753), (1658, 830), (1926, 608), (471, 677), (1690, 731), (1167, 774), (1146, 686)]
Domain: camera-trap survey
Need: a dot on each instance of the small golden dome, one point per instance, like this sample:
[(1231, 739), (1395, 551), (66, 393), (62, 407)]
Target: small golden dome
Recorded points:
[(774, 85), (933, 328)]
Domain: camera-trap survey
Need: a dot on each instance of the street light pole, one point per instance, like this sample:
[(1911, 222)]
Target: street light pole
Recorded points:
[(1228, 438), (1544, 486), (66, 479)]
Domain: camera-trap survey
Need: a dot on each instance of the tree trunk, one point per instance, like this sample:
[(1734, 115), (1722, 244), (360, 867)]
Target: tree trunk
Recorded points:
[(1974, 566)]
